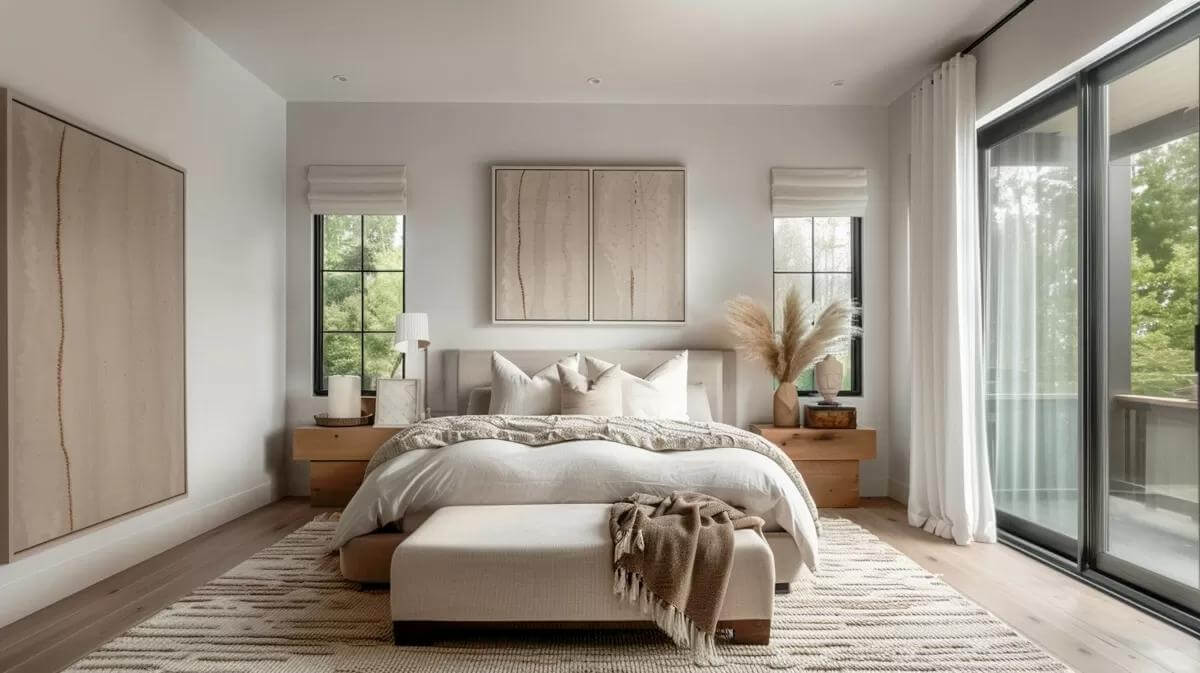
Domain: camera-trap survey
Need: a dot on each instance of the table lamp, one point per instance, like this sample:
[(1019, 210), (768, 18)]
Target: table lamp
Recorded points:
[(414, 327)]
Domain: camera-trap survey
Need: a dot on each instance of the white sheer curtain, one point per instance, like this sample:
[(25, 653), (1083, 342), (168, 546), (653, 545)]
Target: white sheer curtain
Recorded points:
[(1031, 354), (950, 492)]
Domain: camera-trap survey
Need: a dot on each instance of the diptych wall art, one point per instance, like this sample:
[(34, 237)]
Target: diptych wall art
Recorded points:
[(94, 329), (541, 231), (637, 245), (588, 244)]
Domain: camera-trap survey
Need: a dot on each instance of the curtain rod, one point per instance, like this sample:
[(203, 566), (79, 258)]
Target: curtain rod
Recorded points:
[(996, 26)]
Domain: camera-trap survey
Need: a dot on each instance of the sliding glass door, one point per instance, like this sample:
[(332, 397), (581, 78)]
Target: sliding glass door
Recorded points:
[(1091, 286), (1149, 504), (1031, 281)]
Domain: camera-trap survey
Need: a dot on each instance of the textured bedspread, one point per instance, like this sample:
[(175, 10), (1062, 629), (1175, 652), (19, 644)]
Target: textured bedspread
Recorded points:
[(652, 434), (505, 460)]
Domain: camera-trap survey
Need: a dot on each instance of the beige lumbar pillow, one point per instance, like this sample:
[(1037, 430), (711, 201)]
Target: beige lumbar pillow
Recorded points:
[(601, 397), (516, 393)]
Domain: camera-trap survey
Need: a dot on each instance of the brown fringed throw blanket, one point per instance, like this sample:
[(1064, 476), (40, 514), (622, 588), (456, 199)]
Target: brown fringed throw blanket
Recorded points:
[(672, 557)]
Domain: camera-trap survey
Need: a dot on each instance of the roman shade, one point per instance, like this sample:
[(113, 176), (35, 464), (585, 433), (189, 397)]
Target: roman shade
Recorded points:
[(825, 192), (357, 190)]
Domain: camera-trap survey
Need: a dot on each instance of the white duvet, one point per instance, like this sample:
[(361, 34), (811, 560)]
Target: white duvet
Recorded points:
[(497, 472)]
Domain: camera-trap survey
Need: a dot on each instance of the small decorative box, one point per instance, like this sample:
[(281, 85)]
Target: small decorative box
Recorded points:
[(830, 417)]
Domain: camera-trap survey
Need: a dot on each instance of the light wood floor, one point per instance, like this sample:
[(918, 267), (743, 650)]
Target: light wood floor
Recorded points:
[(1085, 628), (1088, 630)]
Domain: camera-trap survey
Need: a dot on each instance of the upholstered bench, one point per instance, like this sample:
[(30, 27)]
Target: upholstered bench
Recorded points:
[(529, 566), (368, 558)]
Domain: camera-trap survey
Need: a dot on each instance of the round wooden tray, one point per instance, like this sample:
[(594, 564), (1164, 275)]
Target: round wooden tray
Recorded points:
[(325, 421)]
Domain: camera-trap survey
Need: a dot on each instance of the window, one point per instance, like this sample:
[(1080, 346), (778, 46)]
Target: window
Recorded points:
[(359, 289), (821, 256)]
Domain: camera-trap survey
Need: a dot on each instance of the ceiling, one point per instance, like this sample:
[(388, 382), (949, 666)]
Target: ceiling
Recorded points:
[(643, 51), (1168, 84)]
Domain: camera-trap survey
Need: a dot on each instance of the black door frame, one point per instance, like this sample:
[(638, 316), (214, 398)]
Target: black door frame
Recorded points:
[(1086, 560)]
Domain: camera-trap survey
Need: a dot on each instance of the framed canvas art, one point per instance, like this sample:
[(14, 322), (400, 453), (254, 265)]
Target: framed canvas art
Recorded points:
[(541, 244), (588, 244), (637, 245), (94, 328)]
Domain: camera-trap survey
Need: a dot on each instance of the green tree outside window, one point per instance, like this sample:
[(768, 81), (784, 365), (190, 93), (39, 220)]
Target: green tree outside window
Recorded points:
[(1163, 268)]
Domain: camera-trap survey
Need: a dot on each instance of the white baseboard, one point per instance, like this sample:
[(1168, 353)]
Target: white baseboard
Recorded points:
[(31, 585)]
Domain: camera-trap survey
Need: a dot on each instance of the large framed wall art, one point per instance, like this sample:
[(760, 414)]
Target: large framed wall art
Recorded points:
[(588, 244), (93, 328)]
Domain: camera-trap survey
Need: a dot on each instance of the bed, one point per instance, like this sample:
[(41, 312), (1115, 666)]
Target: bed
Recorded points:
[(397, 496)]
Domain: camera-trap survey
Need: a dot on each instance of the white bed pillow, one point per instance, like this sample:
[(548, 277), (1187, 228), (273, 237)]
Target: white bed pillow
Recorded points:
[(661, 394), (595, 397), (515, 393), (698, 407)]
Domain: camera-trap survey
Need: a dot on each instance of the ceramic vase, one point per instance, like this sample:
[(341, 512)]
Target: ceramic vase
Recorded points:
[(786, 406)]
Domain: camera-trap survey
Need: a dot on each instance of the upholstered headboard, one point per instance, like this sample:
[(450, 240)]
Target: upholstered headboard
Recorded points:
[(714, 368)]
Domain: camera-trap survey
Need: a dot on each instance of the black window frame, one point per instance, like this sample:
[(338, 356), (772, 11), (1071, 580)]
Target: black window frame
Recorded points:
[(319, 270), (856, 364)]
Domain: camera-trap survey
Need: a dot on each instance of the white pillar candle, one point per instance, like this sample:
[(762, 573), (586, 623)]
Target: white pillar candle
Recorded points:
[(345, 396)]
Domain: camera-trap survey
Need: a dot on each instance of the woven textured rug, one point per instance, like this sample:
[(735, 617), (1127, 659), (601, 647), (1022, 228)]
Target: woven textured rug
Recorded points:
[(870, 609)]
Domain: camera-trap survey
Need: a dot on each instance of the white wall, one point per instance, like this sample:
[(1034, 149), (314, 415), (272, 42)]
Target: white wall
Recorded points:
[(727, 150), (899, 116), (136, 71)]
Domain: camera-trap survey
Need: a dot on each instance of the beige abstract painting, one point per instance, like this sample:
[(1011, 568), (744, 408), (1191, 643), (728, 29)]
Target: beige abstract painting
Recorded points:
[(95, 329), (638, 245), (541, 244)]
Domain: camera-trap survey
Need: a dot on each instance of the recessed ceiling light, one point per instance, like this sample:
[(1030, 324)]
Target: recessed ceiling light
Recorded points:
[(838, 82), (340, 78), (594, 81)]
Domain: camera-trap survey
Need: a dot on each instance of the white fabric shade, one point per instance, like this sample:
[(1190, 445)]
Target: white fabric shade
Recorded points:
[(950, 492), (357, 190), (818, 192), (412, 327)]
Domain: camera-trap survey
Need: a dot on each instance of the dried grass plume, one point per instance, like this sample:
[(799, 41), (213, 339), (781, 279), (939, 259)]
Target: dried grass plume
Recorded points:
[(805, 335)]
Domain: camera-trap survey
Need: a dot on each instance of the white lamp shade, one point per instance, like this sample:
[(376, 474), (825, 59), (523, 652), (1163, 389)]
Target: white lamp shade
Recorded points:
[(412, 327)]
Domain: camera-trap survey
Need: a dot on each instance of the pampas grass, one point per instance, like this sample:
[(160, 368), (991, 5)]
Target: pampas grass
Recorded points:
[(805, 336)]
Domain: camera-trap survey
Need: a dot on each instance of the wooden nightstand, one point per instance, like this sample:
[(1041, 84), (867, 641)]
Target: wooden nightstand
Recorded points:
[(827, 459), (337, 459)]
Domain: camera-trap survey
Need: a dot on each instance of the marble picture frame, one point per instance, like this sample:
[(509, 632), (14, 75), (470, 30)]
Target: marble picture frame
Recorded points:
[(397, 402), (587, 244)]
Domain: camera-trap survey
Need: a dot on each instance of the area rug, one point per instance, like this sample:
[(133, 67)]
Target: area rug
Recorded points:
[(869, 609)]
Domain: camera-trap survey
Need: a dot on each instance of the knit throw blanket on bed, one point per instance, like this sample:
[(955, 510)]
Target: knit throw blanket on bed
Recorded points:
[(652, 434), (672, 558)]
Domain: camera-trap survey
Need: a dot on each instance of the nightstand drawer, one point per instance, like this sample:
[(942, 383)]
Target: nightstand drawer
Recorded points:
[(832, 483), (355, 443), (822, 444), (826, 458), (332, 483)]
